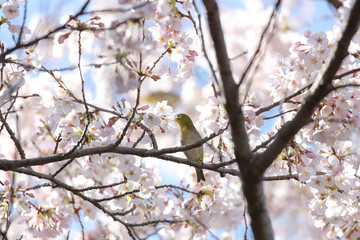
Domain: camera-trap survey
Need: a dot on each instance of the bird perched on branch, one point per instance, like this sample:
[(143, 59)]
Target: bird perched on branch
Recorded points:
[(189, 135)]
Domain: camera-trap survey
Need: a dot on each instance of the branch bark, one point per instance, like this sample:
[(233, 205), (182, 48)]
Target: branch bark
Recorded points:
[(321, 87), (142, 152), (45, 36), (251, 177), (229, 89), (335, 3), (252, 167)]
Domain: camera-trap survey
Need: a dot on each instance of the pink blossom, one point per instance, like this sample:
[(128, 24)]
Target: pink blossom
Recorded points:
[(151, 120), (162, 108), (318, 40), (17, 29), (133, 173), (11, 9)]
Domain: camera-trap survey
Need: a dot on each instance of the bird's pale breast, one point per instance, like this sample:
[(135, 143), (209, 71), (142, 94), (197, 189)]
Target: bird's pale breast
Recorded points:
[(195, 154)]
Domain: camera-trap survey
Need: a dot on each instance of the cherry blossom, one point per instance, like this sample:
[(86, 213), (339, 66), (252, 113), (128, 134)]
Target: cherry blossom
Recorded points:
[(101, 153), (151, 120), (11, 9)]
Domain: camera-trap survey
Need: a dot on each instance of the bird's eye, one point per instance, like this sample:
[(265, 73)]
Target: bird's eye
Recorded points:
[(179, 116)]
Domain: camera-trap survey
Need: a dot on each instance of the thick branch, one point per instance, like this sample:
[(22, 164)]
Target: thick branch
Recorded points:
[(321, 87), (251, 177), (11, 165), (229, 87), (335, 3)]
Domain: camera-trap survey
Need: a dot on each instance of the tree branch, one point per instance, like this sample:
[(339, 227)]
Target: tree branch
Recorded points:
[(346, 73), (321, 87), (73, 190), (335, 3), (251, 177), (229, 90), (199, 31), (275, 104), (262, 37), (141, 152), (13, 137), (45, 36)]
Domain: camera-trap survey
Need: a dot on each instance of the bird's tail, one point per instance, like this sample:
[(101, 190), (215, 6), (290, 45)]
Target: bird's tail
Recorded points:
[(200, 175)]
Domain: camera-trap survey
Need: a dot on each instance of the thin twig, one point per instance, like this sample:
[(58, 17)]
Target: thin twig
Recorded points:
[(139, 139), (45, 36), (23, 23), (62, 167), (118, 10), (85, 131), (275, 104), (161, 154), (134, 109), (65, 186), (13, 137), (280, 114), (69, 68), (100, 186), (215, 81), (270, 21), (345, 86), (346, 73), (263, 144), (100, 109)]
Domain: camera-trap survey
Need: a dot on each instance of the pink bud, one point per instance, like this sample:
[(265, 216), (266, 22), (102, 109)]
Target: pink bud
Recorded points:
[(31, 195), (8, 195), (144, 107), (62, 38), (7, 183)]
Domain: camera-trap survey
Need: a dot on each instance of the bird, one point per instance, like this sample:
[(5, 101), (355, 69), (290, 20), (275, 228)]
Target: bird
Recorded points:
[(188, 135)]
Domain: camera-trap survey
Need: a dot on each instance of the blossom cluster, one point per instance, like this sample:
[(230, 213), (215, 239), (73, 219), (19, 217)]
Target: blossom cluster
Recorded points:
[(10, 9), (144, 43), (322, 154), (137, 183)]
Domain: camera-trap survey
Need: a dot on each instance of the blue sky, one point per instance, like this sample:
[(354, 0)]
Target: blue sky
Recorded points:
[(323, 16)]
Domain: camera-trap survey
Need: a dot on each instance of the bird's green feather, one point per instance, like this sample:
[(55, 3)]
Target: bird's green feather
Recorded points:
[(189, 135)]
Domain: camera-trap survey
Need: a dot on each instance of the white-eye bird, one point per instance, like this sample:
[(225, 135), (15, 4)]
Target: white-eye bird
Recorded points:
[(189, 135)]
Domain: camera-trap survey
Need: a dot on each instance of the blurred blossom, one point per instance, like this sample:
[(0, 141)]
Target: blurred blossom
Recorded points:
[(11, 9), (151, 120)]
